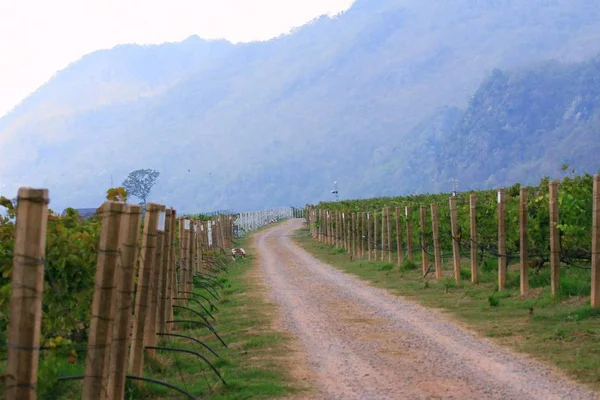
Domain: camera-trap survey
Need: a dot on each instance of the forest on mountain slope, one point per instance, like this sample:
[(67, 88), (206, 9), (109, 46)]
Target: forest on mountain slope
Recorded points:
[(390, 97)]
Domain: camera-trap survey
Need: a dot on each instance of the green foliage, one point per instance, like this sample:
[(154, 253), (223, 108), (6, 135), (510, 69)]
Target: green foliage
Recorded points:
[(493, 301), (575, 204), (385, 267), (117, 194), (71, 254), (408, 265)]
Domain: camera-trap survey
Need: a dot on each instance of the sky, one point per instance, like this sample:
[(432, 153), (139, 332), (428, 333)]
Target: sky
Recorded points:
[(40, 37)]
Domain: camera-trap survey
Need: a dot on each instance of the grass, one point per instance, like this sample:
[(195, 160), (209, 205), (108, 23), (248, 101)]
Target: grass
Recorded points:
[(253, 365), (561, 330)]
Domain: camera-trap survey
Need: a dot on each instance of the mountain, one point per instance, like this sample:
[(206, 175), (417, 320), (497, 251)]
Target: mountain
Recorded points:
[(261, 124), (524, 124)]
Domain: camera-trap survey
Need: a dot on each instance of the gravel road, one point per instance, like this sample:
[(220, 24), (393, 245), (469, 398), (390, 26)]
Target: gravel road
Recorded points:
[(364, 343)]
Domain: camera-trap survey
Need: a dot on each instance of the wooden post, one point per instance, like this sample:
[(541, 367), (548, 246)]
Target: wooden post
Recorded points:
[(383, 249), (319, 222), (347, 223), (362, 235), (350, 236), (337, 229), (119, 350), (183, 258), (324, 227), (102, 317), (399, 238), (331, 229), (423, 214), (369, 239), (473, 223), (357, 234), (554, 243), (375, 242), (354, 234), (409, 238), (595, 300), (173, 291), (327, 228), (142, 299), (340, 231), (156, 277), (223, 244), (192, 254), (389, 233), (524, 242), (344, 231), (455, 243), (436, 241), (26, 295), (501, 241)]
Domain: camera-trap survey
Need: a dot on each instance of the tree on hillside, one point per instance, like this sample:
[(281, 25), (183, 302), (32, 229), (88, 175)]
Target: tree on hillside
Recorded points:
[(139, 183)]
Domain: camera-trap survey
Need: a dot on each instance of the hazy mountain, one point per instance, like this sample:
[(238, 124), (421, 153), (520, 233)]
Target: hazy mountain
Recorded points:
[(520, 125), (524, 124), (274, 123)]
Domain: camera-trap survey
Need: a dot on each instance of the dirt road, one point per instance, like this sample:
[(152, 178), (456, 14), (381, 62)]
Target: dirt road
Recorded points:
[(363, 343)]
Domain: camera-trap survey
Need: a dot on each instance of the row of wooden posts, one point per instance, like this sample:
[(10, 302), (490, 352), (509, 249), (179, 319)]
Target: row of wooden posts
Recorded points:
[(250, 221), (118, 337), (357, 233)]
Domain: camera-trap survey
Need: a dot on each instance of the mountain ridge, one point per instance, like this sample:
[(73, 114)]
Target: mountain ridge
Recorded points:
[(268, 123)]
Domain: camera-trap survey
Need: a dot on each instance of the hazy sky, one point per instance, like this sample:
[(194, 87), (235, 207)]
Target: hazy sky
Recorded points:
[(40, 37)]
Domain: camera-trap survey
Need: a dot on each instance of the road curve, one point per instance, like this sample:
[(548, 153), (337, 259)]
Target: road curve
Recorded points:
[(364, 343)]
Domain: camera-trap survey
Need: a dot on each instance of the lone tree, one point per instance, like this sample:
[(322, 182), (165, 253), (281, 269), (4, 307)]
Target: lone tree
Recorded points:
[(139, 184)]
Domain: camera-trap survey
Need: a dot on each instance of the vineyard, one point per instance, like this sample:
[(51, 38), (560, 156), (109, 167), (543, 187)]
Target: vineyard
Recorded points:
[(106, 305), (528, 236)]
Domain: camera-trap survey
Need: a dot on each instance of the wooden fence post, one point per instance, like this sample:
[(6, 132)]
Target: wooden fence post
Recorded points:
[(424, 259), (142, 298), (322, 226), (399, 238), (383, 249), (595, 300), (354, 234), (333, 229), (347, 219), (389, 233), (554, 243), (337, 229), (340, 231), (473, 223), (409, 238), (362, 235), (155, 280), (124, 278), (375, 242), (327, 228), (102, 317), (455, 243), (524, 242), (369, 239), (502, 260), (436, 241), (184, 228), (26, 296), (192, 254), (173, 291)]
